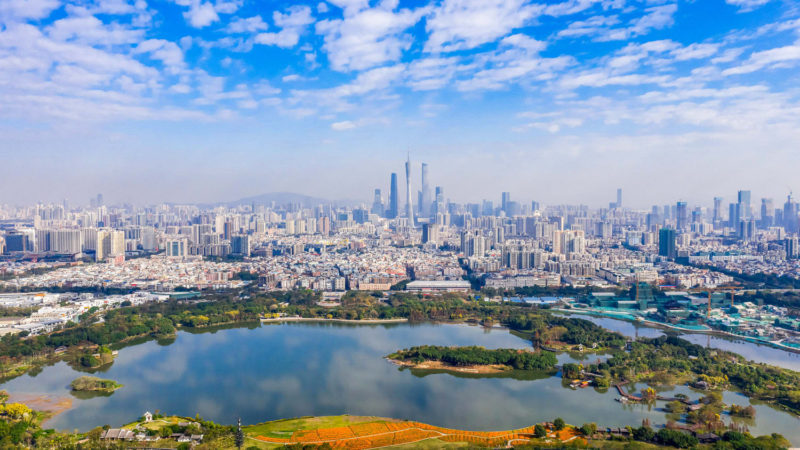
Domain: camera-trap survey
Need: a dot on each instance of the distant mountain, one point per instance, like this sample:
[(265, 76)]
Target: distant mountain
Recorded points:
[(283, 198)]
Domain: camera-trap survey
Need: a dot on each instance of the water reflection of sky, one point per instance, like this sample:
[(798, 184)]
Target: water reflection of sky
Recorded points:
[(279, 371)]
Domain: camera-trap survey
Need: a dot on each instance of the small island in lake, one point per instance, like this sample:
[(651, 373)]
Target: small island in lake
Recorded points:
[(473, 359), (94, 384)]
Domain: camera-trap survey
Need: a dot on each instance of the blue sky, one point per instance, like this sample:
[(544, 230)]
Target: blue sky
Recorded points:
[(558, 101)]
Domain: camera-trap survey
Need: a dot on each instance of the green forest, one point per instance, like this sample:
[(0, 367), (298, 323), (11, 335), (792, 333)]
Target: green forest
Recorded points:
[(474, 355)]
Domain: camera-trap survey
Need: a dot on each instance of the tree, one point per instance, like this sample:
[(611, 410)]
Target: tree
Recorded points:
[(539, 431), (676, 407), (559, 424), (644, 434), (588, 429), (676, 438)]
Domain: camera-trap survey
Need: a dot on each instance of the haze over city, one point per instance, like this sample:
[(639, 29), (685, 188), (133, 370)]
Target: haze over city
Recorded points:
[(207, 101)]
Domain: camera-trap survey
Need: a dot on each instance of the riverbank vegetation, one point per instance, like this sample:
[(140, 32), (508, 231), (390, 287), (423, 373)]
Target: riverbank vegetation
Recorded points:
[(20, 428), (94, 384), (650, 358), (477, 356)]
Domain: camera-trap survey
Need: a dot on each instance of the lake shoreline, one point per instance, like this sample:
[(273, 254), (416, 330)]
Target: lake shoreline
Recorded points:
[(439, 365), (659, 325), (322, 319)]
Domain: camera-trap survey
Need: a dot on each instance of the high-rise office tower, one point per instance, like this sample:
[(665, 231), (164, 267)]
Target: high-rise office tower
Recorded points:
[(487, 208), (717, 218), (100, 200), (697, 215), (393, 206), (790, 210), (619, 197), (790, 245), (767, 213), (377, 203), (430, 233), (504, 201), (744, 210), (409, 202), (666, 243), (425, 200), (682, 216), (439, 207)]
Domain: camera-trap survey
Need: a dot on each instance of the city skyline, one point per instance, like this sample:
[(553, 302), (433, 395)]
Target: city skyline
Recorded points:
[(394, 205), (213, 101)]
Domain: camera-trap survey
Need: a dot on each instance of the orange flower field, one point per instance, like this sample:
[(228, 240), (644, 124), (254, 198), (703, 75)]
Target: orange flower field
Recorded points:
[(380, 434)]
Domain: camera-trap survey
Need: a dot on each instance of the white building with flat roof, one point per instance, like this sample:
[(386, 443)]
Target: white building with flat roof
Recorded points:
[(439, 286)]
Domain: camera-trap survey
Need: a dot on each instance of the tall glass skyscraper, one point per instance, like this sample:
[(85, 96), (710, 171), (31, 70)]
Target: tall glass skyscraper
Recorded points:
[(392, 212), (682, 215), (425, 200), (409, 202)]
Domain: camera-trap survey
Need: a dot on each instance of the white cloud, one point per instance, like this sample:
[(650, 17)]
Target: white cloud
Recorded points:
[(602, 78), (322, 7), (729, 55), (27, 9), (295, 17), (369, 86), (550, 122), (747, 5), (780, 57), (695, 51), (246, 25), (203, 13), (464, 24), (113, 7), (655, 18), (516, 59), (590, 27), (433, 73), (292, 24), (283, 38), (367, 37), (91, 30), (343, 125), (165, 51), (574, 6)]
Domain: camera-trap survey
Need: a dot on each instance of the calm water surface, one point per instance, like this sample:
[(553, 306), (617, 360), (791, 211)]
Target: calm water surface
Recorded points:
[(752, 351), (289, 370)]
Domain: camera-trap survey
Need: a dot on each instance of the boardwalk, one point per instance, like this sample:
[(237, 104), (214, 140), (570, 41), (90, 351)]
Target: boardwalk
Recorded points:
[(638, 398)]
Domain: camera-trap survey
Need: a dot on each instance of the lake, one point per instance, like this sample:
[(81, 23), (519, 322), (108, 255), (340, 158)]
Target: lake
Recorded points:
[(288, 370)]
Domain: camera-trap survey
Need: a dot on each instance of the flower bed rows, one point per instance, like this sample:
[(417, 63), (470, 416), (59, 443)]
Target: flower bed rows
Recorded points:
[(380, 434)]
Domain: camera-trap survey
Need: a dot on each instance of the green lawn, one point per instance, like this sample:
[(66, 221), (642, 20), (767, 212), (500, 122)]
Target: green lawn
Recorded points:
[(285, 428), (158, 424)]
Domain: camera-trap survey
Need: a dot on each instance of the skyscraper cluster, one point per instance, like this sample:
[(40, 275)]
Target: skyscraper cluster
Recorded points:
[(427, 206)]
